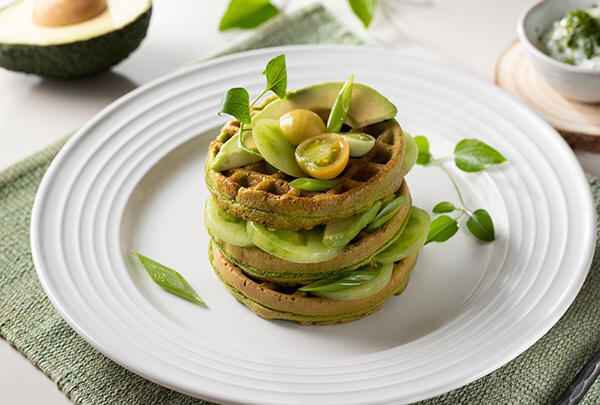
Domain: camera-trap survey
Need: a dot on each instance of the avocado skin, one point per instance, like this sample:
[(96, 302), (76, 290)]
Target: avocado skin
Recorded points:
[(76, 59)]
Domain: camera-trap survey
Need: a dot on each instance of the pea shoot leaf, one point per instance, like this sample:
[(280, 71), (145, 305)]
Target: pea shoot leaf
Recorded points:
[(237, 104), (443, 207), (276, 73), (480, 224), (424, 156), (364, 10), (247, 14), (442, 228), (473, 155)]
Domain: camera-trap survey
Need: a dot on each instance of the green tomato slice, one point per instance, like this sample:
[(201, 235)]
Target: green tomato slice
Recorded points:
[(293, 246), (360, 143), (231, 155), (339, 233), (224, 226), (274, 148), (410, 241), (410, 154), (387, 212), (370, 287)]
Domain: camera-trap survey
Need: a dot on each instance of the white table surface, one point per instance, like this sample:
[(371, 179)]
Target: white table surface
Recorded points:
[(36, 112)]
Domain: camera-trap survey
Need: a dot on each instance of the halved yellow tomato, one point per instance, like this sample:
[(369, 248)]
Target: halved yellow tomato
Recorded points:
[(299, 125), (324, 156)]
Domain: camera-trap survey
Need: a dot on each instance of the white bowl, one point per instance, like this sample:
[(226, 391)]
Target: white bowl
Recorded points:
[(573, 82)]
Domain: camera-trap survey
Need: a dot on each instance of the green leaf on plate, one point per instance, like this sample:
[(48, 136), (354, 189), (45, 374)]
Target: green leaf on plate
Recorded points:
[(276, 73), (170, 280), (364, 10), (247, 14), (442, 228), (424, 156), (443, 207), (480, 224), (473, 155), (237, 104)]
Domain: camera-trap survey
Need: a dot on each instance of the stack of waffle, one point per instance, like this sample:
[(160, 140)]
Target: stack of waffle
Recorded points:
[(260, 195)]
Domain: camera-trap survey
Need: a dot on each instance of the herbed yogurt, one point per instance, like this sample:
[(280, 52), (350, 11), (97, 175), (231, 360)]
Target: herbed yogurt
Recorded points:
[(575, 38)]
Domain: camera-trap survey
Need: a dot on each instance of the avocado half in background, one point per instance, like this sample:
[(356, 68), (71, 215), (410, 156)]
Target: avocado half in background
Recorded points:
[(76, 49)]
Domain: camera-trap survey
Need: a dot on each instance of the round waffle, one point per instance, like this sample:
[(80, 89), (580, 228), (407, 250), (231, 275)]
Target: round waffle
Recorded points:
[(262, 265), (258, 192), (271, 301)]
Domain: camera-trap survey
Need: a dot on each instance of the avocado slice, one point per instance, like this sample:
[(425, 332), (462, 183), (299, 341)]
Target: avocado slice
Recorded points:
[(410, 156), (275, 148), (372, 287), (231, 155), (367, 107), (71, 51)]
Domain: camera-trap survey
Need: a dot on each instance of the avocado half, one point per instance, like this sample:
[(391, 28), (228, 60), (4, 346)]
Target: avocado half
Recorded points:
[(71, 51)]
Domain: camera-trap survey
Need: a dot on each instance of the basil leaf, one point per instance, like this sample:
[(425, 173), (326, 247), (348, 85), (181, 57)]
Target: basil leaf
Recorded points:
[(341, 106), (247, 14), (473, 155), (443, 207), (424, 156), (364, 10), (237, 104), (480, 224), (339, 283), (309, 184), (276, 73), (442, 228), (170, 280)]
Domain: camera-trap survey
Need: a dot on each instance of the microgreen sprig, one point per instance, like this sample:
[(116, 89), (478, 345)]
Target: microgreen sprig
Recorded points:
[(471, 156), (237, 100)]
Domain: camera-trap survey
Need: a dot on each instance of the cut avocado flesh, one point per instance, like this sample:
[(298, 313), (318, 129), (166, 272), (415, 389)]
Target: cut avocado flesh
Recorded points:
[(75, 50), (410, 241), (367, 107), (364, 290), (293, 246), (232, 155), (223, 227)]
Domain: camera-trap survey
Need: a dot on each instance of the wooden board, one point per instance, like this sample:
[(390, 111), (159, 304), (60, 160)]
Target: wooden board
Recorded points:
[(578, 123)]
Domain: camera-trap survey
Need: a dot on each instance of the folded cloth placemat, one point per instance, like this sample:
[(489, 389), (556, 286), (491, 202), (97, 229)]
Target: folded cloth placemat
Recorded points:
[(29, 322)]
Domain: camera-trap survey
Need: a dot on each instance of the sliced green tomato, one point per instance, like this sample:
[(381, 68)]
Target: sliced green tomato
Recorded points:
[(308, 184), (293, 246), (232, 155), (221, 226), (247, 143), (364, 290), (339, 233), (324, 156), (360, 143), (410, 154), (410, 241), (387, 212), (274, 148)]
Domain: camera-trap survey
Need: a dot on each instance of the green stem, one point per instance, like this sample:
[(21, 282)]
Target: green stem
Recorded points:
[(456, 188), (260, 95)]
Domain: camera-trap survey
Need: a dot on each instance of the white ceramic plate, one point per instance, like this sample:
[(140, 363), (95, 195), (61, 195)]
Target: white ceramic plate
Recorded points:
[(132, 179)]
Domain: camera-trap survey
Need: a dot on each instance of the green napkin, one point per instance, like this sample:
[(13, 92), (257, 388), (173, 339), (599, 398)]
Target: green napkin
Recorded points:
[(29, 322)]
